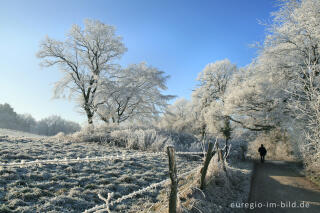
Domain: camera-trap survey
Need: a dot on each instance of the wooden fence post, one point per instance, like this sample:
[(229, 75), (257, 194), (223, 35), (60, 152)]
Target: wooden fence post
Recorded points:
[(205, 165), (173, 199)]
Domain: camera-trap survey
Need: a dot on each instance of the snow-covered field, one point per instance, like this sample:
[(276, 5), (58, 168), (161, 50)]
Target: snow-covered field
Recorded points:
[(74, 187), (15, 133)]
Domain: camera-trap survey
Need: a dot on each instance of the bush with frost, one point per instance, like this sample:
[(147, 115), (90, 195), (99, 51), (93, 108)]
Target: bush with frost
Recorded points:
[(137, 137)]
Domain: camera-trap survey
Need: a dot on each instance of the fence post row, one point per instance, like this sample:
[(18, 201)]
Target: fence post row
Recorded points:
[(173, 199), (204, 169)]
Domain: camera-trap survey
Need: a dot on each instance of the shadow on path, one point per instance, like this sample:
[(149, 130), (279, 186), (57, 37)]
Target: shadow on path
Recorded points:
[(277, 186)]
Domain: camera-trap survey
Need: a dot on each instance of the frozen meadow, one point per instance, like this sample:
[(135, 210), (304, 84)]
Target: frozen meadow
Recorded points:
[(15, 133), (74, 185)]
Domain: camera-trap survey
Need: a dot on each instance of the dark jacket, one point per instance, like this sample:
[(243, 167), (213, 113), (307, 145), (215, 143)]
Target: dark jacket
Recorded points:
[(262, 150)]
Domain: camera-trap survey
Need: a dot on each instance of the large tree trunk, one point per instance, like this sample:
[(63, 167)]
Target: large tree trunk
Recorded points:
[(90, 122), (89, 116)]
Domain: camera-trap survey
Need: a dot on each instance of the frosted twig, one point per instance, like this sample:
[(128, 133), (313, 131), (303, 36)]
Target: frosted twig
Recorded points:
[(131, 195), (107, 201)]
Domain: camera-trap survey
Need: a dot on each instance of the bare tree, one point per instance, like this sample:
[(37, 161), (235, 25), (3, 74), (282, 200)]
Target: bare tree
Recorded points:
[(254, 100), (85, 57), (214, 81), (134, 94)]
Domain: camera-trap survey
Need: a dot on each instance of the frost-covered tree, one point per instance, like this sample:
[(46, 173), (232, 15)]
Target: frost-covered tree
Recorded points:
[(281, 88), (177, 116), (85, 57), (293, 50), (214, 80), (24, 122), (254, 99), (27, 122), (55, 124), (306, 107), (292, 45), (8, 117), (263, 90), (136, 93)]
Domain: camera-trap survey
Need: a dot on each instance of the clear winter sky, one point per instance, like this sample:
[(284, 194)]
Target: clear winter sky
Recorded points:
[(178, 37)]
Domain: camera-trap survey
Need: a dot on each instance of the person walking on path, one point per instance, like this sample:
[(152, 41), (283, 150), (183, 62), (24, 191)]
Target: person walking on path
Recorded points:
[(262, 152)]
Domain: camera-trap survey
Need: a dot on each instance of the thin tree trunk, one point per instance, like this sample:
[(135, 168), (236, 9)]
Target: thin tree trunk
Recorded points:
[(204, 169)]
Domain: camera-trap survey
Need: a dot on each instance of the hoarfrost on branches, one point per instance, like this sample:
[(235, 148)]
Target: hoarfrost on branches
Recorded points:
[(84, 57), (136, 93)]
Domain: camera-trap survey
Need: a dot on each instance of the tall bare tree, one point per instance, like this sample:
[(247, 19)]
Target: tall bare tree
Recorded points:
[(85, 58)]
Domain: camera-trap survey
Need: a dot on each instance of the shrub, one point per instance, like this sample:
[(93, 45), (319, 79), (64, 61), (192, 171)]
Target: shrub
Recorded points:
[(137, 137)]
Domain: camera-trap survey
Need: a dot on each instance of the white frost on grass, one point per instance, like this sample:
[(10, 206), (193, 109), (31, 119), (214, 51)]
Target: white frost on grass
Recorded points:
[(16, 133), (226, 188), (222, 189), (74, 187)]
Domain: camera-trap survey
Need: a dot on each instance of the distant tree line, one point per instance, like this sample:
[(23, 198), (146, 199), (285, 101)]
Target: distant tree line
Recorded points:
[(51, 125)]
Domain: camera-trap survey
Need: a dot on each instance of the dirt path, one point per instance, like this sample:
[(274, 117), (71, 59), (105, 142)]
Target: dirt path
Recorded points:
[(278, 183)]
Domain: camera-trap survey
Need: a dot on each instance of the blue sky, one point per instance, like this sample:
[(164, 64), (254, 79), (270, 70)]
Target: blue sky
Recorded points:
[(178, 37)]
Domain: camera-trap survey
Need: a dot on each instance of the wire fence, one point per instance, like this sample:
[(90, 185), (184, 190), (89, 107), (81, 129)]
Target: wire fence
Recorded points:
[(104, 207), (24, 163)]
